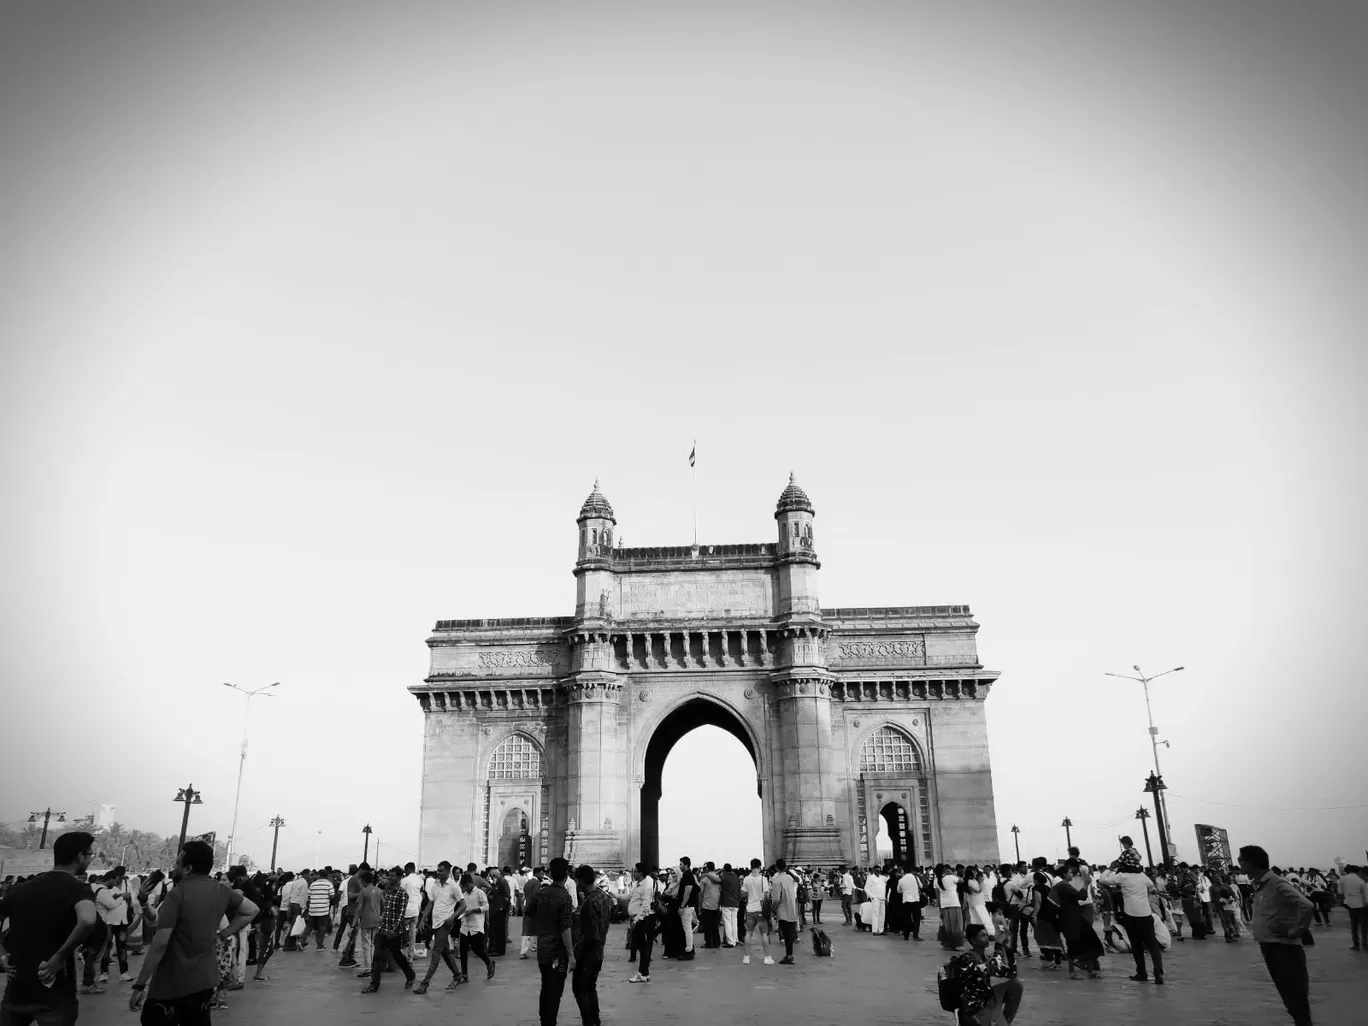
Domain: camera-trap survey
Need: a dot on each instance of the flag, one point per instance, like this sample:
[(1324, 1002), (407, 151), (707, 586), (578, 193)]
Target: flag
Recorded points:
[(693, 453)]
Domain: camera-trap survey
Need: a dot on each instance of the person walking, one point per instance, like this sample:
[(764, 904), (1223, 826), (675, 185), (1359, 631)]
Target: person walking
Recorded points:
[(1282, 914), (641, 908), (441, 918), (847, 894), (529, 925), (391, 935), (876, 886), (413, 889), (1136, 915), (112, 904), (181, 971), (784, 896), (550, 909), (1353, 892), (595, 913), (909, 888), (500, 907), (474, 912), (49, 916)]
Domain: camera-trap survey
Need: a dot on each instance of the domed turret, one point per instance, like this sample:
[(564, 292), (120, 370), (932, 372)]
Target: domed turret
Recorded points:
[(792, 499), (598, 508)]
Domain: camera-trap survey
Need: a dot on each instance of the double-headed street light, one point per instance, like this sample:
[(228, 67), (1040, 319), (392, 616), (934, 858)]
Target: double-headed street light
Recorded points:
[(47, 815), (242, 761), (1154, 746)]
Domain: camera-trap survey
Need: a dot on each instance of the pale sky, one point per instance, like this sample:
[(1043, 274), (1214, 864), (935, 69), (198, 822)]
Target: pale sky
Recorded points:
[(319, 323)]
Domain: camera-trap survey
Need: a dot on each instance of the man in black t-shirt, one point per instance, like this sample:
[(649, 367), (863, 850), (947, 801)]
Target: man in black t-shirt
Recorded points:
[(49, 917), (688, 904)]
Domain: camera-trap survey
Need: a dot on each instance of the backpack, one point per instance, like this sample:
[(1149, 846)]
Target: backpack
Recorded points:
[(821, 943), (950, 987)]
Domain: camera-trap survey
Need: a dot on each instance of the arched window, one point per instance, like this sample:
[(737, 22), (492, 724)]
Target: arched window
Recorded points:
[(889, 750), (517, 758)]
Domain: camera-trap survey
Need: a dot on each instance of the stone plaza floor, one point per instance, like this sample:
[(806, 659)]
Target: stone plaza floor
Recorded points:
[(869, 980)]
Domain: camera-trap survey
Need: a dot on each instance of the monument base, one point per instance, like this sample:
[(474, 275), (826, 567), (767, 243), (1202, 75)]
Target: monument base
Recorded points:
[(598, 848), (813, 846)]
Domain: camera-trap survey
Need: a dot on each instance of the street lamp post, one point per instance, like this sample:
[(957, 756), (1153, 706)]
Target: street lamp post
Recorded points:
[(1160, 816), (1142, 814), (1068, 837), (242, 761), (190, 797), (47, 815), (1016, 840), (365, 853), (318, 848), (1154, 784), (276, 823)]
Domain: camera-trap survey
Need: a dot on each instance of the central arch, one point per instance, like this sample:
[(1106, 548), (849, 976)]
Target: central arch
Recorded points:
[(700, 710)]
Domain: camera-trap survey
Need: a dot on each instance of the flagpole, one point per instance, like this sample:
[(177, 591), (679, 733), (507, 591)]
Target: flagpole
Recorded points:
[(694, 466)]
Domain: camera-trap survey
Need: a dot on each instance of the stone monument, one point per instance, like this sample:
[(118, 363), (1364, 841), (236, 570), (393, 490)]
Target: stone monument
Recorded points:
[(556, 729)]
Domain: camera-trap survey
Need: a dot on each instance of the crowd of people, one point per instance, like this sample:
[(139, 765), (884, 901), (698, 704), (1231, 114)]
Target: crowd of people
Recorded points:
[(200, 931)]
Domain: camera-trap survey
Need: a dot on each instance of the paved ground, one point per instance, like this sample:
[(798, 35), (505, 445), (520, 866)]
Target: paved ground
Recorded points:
[(870, 980)]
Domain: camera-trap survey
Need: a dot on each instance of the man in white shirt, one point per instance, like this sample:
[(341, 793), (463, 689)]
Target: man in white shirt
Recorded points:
[(442, 917), (754, 890), (847, 894), (876, 887), (111, 902), (1353, 889), (910, 892), (473, 926), (412, 886), (641, 920), (1135, 913)]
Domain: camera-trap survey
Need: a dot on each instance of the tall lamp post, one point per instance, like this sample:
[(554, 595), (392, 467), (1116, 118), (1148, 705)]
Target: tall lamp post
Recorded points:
[(1016, 840), (1155, 785), (276, 823), (1159, 809), (190, 797), (242, 761), (1068, 837), (365, 853), (1142, 814), (47, 815)]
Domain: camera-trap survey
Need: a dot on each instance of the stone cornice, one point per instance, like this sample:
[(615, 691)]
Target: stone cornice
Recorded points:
[(966, 687), (876, 618), (443, 696)]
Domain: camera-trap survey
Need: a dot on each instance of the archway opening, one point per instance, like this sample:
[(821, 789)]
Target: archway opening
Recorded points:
[(712, 811), (894, 841)]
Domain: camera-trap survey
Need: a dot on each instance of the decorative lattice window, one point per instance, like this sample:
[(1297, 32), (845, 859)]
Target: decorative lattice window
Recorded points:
[(889, 750), (517, 758)]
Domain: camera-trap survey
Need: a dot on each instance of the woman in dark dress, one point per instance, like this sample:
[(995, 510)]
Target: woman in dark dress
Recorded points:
[(500, 902), (1084, 946), (894, 911)]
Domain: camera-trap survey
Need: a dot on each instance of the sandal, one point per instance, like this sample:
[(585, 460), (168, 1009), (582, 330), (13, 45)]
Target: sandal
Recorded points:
[(420, 989), (371, 990)]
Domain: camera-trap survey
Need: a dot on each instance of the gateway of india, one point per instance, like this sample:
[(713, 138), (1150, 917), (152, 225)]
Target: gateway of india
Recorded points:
[(546, 736)]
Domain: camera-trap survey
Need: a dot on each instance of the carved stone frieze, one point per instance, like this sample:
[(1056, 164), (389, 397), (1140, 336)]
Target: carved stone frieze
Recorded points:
[(898, 691)]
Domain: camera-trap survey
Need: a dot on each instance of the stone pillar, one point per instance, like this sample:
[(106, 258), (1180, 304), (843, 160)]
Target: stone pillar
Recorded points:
[(807, 768), (595, 764)]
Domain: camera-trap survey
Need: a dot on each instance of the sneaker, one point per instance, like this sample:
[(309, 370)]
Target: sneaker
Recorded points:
[(1139, 978), (104, 978), (125, 978), (768, 960), (362, 975), (786, 960), (348, 963), (638, 978), (745, 959)]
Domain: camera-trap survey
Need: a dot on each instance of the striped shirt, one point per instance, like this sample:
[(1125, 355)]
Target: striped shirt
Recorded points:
[(320, 897)]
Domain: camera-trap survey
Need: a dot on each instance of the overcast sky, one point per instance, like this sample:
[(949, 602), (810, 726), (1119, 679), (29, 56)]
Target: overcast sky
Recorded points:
[(319, 322)]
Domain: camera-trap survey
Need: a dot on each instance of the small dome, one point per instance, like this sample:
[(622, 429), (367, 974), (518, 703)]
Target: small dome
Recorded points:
[(596, 506), (793, 499)]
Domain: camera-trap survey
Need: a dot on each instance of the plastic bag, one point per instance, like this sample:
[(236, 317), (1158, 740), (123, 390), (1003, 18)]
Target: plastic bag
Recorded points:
[(1161, 933), (301, 926)]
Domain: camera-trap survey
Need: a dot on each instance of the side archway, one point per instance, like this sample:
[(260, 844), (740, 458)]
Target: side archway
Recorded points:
[(517, 799), (893, 788)]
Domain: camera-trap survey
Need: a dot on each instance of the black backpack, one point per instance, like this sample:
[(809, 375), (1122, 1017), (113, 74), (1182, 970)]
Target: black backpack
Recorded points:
[(950, 987), (821, 943)]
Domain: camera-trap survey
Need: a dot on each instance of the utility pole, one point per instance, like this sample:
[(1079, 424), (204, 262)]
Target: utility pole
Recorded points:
[(47, 815), (189, 796), (365, 853), (277, 823), (1016, 840), (1068, 837), (1154, 784), (1142, 814)]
